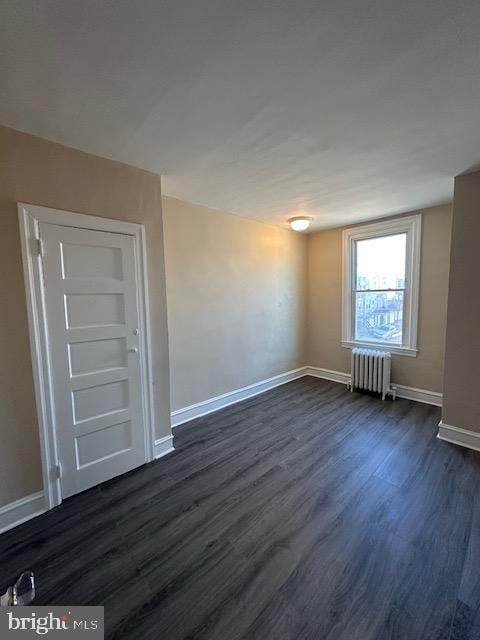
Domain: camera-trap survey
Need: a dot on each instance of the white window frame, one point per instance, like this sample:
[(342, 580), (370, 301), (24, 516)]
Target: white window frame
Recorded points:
[(412, 226)]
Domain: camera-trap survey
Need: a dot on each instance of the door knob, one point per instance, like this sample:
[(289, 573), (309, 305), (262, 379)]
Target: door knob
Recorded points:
[(133, 350)]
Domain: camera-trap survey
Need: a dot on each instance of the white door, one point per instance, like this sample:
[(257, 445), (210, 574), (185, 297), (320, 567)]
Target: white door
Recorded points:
[(92, 325)]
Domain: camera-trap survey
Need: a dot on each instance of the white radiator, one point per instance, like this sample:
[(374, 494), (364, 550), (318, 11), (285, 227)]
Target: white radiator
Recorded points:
[(371, 371)]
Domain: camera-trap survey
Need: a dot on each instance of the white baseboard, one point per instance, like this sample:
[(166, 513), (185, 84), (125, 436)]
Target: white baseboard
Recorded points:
[(14, 513), (163, 446), (328, 374), (409, 393), (419, 395), (462, 437), (226, 399)]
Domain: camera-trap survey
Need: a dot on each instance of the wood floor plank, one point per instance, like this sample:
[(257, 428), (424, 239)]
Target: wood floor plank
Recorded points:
[(278, 621)]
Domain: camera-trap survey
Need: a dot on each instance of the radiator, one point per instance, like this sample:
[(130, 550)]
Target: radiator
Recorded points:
[(371, 371)]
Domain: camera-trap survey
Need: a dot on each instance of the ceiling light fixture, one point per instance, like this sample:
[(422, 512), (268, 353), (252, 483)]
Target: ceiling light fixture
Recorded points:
[(299, 223)]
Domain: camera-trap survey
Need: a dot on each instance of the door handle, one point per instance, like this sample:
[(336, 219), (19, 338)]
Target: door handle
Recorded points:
[(133, 350)]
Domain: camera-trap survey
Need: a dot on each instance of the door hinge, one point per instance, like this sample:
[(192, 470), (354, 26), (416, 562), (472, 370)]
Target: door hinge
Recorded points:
[(58, 471), (40, 247)]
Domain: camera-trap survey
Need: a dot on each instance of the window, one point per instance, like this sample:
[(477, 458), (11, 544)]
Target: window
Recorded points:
[(381, 272)]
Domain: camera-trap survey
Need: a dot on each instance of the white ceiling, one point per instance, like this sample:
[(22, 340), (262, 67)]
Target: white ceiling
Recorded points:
[(342, 109)]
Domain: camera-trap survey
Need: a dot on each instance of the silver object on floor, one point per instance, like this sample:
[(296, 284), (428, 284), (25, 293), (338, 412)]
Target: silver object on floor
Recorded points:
[(21, 593)]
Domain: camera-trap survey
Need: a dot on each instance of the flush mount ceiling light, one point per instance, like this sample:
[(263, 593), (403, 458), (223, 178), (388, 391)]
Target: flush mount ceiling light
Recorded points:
[(299, 223)]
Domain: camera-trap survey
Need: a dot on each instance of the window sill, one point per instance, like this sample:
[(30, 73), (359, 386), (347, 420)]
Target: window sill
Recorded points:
[(393, 349)]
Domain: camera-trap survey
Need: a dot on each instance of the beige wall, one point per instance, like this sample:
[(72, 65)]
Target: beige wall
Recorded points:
[(36, 171), (461, 394), (236, 300), (324, 323)]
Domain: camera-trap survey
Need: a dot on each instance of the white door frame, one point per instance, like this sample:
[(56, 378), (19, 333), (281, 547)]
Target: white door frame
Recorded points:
[(30, 216)]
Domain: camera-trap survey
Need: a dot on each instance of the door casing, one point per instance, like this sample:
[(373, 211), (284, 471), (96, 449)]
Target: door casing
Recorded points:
[(30, 216)]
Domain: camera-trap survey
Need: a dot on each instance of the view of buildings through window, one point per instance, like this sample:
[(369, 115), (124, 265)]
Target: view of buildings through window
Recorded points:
[(380, 288)]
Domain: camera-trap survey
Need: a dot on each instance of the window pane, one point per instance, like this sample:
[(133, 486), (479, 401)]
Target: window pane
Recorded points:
[(381, 262), (378, 316)]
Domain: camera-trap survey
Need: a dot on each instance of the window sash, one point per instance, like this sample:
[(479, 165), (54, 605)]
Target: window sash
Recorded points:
[(354, 316), (378, 290), (372, 237)]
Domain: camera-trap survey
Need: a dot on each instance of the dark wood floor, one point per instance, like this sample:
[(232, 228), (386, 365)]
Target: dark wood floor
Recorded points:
[(303, 513)]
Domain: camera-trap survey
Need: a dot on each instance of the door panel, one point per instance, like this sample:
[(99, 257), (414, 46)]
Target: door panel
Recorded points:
[(100, 400), (94, 309), (93, 356), (83, 261), (98, 445), (92, 322)]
